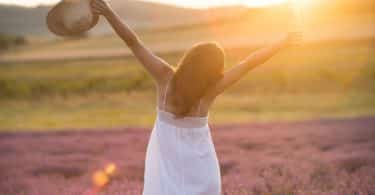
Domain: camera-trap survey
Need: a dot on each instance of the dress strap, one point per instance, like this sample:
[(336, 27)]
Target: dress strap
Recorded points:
[(165, 94), (199, 107)]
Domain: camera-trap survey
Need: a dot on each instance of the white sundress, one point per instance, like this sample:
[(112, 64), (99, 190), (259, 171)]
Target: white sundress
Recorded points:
[(180, 157)]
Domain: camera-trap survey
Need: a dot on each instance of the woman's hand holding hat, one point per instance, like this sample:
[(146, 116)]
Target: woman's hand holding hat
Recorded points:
[(71, 17), (101, 7)]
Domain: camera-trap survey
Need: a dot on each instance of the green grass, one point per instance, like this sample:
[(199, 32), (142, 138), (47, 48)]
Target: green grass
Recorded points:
[(138, 109), (314, 81), (312, 68)]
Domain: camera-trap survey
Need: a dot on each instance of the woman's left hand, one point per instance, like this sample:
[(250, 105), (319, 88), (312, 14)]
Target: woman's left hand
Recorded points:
[(100, 7)]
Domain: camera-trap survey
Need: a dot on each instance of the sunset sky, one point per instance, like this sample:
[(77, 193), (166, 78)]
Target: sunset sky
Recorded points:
[(190, 3)]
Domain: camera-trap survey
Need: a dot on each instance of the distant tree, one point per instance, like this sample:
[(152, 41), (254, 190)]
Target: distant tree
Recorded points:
[(20, 40), (8, 41)]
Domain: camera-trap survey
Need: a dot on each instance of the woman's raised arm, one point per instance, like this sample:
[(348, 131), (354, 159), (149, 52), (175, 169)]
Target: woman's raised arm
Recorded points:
[(259, 57), (158, 68)]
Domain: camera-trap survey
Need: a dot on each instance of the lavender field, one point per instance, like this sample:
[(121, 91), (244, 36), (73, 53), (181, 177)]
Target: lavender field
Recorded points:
[(301, 124), (311, 157)]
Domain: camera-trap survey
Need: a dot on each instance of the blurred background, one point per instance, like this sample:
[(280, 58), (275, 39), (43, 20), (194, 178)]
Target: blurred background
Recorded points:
[(92, 81), (303, 123)]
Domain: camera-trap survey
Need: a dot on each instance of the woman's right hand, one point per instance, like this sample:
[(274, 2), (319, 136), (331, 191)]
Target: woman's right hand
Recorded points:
[(100, 7)]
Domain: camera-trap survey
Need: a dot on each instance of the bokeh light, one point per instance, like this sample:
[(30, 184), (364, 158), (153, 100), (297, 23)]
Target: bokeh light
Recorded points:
[(110, 169), (100, 179)]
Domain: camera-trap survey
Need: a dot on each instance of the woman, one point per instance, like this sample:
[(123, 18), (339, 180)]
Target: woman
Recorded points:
[(181, 159)]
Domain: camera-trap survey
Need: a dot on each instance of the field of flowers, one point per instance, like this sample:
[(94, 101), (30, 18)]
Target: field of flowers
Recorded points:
[(75, 114), (284, 158)]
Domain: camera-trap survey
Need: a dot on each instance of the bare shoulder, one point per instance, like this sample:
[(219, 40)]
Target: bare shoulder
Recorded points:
[(167, 76)]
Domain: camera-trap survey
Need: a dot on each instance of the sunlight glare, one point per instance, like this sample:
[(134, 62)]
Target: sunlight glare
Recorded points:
[(191, 3), (110, 169), (261, 3), (100, 179)]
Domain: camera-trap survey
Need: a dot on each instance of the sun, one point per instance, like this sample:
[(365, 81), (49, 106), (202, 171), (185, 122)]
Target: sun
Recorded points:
[(261, 3)]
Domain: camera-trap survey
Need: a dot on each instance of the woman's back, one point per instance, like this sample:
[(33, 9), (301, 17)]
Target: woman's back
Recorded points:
[(181, 157)]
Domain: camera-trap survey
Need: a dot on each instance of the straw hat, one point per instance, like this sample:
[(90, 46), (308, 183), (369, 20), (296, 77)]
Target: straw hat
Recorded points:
[(71, 17)]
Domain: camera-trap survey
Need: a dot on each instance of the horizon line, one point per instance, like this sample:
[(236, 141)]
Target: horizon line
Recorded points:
[(153, 2)]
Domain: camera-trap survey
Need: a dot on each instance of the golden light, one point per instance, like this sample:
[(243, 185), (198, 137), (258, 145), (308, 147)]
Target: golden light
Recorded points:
[(110, 169), (191, 3), (100, 179), (298, 7), (261, 3), (212, 3)]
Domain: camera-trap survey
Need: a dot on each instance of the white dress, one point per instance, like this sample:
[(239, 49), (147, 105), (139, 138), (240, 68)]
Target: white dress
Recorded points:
[(180, 157)]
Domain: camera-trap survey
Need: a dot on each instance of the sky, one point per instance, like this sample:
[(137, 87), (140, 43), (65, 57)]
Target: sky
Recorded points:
[(189, 3)]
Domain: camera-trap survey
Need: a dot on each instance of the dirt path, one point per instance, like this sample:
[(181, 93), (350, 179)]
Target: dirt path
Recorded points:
[(312, 156)]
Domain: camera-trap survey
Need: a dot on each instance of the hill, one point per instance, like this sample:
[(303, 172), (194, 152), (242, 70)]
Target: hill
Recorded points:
[(18, 20), (31, 21)]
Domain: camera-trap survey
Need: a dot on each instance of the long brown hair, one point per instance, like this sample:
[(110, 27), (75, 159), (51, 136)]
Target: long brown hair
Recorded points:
[(200, 68)]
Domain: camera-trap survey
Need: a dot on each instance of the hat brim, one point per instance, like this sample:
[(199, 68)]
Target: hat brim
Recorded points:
[(56, 25)]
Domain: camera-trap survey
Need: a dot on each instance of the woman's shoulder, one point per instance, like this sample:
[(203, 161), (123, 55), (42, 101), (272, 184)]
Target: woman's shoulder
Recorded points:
[(167, 77)]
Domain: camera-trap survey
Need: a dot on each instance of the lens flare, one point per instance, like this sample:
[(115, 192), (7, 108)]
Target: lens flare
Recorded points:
[(262, 3), (100, 179), (110, 169)]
